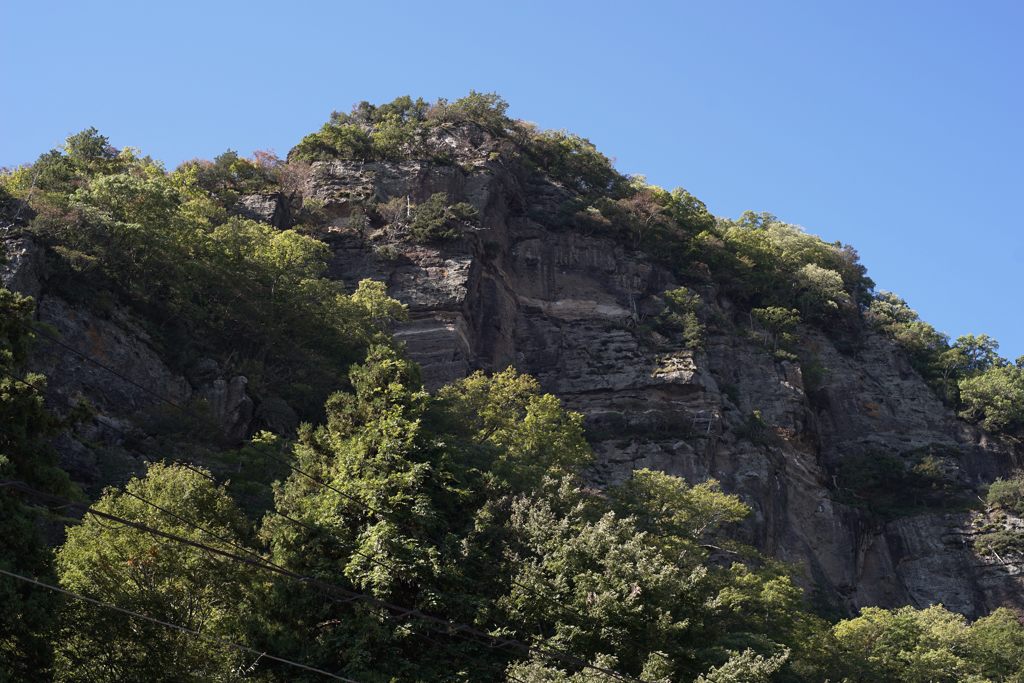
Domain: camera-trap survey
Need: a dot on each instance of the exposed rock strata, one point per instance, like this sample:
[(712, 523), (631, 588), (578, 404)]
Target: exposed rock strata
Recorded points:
[(524, 290), (568, 308), (108, 364)]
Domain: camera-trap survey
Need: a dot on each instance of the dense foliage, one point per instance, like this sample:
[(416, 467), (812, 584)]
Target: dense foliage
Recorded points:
[(930, 646), (969, 374), (679, 318), (157, 577), (467, 505), (894, 484), (447, 536), (25, 455), (401, 129), (1000, 532), (437, 219), (210, 283)]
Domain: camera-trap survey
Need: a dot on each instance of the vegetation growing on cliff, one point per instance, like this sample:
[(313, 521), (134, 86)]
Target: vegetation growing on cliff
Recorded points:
[(25, 455), (209, 282), (451, 535), (465, 505), (968, 374)]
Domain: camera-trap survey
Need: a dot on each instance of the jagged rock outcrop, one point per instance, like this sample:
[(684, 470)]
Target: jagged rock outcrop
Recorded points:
[(21, 266), (567, 307), (525, 288), (109, 364), (268, 207)]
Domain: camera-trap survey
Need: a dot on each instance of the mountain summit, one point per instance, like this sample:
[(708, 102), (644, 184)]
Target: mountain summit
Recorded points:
[(499, 347)]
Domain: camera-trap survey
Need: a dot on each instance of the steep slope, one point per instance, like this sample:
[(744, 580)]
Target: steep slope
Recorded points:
[(526, 283), (566, 307)]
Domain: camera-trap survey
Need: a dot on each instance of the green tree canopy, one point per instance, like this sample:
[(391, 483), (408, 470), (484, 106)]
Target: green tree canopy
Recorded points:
[(26, 428), (157, 577)]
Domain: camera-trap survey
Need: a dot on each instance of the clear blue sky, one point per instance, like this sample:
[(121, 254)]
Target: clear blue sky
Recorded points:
[(897, 127)]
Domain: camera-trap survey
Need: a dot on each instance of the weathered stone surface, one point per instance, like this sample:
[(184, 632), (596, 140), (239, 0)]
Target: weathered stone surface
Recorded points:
[(110, 364), (132, 376), (21, 264), (569, 308), (276, 415), (524, 289), (269, 208), (230, 406)]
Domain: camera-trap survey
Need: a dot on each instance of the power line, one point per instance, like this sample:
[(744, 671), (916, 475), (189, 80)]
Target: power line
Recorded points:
[(176, 627), (451, 627), (88, 358), (321, 483), (103, 366), (205, 475), (330, 487), (294, 469), (547, 651), (239, 293), (269, 562), (256, 555), (196, 470)]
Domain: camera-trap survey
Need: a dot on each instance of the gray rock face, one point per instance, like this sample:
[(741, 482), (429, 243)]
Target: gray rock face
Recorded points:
[(269, 208), (277, 416), (110, 364), (568, 307), (131, 373), (20, 266), (524, 289), (231, 407)]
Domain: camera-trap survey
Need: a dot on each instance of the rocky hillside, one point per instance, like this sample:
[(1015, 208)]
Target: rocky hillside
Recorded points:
[(528, 274), (566, 306)]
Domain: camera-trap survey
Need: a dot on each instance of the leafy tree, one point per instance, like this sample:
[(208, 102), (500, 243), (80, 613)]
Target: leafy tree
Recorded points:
[(675, 513), (679, 318), (764, 262), (969, 374), (995, 644), (1007, 494), (88, 149), (400, 129), (344, 141), (971, 355), (526, 436), (779, 324), (162, 579), (994, 398), (662, 223), (436, 219), (928, 646), (229, 175), (164, 244), (468, 504), (405, 474), (25, 455), (618, 595), (576, 162), (487, 110), (821, 290), (359, 527), (635, 585), (746, 667)]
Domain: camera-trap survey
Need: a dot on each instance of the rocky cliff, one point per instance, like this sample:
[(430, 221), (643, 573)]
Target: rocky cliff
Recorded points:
[(524, 288)]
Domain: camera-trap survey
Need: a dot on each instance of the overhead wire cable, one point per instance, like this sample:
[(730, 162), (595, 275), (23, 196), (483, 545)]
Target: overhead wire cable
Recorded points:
[(173, 626), (452, 627), (88, 358), (550, 652)]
